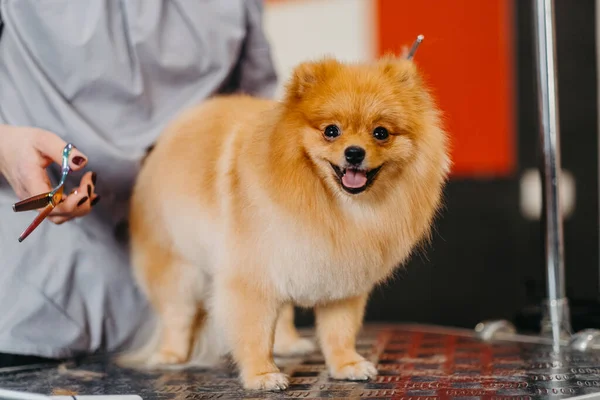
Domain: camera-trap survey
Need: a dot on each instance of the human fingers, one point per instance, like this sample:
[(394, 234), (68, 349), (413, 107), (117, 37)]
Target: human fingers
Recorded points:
[(77, 203), (51, 146)]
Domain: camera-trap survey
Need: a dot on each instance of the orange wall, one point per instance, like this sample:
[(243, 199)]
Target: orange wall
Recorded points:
[(467, 56)]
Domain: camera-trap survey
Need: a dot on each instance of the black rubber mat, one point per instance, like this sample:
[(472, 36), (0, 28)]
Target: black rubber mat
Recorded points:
[(414, 363)]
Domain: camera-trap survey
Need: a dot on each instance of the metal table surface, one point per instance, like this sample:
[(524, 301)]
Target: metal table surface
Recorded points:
[(414, 362)]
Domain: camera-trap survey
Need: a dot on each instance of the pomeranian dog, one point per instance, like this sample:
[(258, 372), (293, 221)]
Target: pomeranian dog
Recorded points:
[(248, 206)]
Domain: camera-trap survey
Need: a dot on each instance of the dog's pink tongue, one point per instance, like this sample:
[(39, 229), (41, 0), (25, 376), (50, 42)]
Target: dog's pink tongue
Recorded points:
[(354, 179)]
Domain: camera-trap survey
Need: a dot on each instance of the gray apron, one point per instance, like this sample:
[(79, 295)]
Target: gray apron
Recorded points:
[(106, 75)]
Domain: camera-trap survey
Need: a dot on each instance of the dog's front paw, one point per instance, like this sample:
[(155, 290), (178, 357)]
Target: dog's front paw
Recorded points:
[(357, 371), (298, 347), (272, 381)]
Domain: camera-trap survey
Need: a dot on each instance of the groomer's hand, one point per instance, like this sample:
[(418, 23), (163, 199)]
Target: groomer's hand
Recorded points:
[(25, 153)]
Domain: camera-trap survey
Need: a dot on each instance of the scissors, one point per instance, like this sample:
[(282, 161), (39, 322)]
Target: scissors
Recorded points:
[(48, 200)]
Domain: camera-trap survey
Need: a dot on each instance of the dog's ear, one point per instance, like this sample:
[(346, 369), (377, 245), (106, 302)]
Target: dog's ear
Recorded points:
[(307, 75), (400, 69)]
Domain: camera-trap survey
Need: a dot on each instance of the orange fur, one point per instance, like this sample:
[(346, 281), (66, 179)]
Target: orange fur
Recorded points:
[(238, 212)]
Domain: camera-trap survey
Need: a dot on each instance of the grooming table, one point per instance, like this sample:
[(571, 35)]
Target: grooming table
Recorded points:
[(414, 362)]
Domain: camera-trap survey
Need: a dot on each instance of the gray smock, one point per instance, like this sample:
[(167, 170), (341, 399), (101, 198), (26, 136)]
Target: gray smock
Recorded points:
[(106, 75)]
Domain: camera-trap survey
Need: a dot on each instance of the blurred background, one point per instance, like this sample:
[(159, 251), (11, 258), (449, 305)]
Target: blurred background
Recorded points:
[(487, 257)]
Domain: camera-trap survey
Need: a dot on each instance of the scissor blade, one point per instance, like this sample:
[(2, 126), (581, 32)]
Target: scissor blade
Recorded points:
[(33, 202), (41, 216)]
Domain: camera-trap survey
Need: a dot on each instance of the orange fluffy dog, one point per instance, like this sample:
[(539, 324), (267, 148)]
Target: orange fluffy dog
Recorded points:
[(247, 207)]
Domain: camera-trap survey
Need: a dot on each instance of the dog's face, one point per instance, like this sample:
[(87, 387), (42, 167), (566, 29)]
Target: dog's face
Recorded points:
[(360, 125)]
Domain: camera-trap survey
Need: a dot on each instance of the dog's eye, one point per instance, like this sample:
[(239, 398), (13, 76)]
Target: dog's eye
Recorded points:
[(380, 133), (332, 131)]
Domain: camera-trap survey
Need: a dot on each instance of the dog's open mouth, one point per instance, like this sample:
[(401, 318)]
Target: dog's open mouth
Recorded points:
[(355, 180)]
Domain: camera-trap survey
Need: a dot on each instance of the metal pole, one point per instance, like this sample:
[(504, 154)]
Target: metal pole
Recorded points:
[(598, 122), (557, 320)]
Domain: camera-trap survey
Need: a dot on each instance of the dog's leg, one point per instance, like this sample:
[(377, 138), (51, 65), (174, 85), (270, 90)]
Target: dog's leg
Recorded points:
[(247, 316), (172, 286), (287, 339), (177, 324), (338, 324)]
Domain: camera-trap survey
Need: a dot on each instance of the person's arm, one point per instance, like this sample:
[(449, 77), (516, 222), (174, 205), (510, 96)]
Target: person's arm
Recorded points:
[(257, 75), (25, 153)]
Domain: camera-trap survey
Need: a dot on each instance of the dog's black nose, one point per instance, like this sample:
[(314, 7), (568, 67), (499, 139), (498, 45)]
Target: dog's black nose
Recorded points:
[(355, 155)]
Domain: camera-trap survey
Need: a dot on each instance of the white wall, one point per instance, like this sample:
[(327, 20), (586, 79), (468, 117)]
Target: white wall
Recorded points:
[(306, 29)]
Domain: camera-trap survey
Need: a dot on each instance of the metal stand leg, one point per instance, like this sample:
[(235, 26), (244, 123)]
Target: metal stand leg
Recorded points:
[(557, 320)]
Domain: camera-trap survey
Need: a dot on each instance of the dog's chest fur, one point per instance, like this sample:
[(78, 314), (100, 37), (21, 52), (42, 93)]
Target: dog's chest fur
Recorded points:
[(300, 263), (311, 266)]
